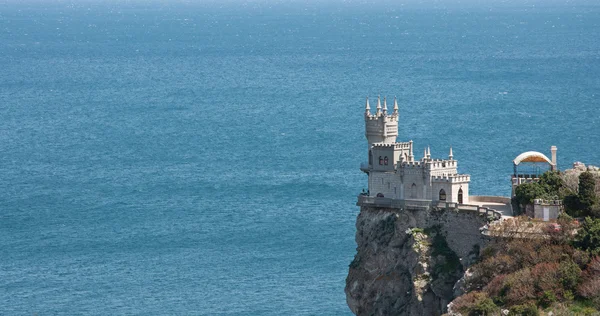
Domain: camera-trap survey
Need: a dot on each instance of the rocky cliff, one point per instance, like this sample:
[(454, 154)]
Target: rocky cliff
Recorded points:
[(408, 262)]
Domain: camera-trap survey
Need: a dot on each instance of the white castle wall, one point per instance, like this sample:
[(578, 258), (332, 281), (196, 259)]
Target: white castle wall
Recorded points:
[(403, 177), (385, 183)]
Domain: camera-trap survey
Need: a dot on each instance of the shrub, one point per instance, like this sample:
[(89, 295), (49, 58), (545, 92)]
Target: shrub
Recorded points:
[(524, 310), (583, 308), (548, 297), (484, 307), (496, 286), (465, 303), (569, 274), (590, 287), (546, 277), (520, 288)]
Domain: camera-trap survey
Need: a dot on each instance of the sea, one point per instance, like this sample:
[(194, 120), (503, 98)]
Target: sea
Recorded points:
[(202, 157)]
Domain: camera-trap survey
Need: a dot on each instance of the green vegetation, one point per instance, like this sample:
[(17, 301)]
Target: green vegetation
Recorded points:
[(588, 237), (439, 247), (533, 276), (552, 186)]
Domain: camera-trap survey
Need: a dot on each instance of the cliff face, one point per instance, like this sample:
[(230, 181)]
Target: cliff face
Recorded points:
[(408, 262)]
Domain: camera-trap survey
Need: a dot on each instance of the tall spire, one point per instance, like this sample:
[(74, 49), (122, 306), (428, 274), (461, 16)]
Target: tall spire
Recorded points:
[(378, 106), (384, 106), (395, 106), (367, 108), (425, 153), (451, 156), (428, 152)]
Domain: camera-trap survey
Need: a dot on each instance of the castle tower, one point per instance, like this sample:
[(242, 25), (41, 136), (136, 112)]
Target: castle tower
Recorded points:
[(381, 127)]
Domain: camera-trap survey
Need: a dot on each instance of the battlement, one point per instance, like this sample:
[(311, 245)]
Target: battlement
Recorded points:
[(411, 164), (389, 117), (398, 145), (455, 178), (442, 163)]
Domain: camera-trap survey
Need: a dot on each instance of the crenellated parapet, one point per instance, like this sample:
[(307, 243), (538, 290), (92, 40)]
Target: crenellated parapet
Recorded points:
[(397, 145), (456, 178), (441, 164), (381, 127)]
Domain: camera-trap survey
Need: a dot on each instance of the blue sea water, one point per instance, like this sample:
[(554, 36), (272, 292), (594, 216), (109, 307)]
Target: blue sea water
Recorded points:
[(202, 157)]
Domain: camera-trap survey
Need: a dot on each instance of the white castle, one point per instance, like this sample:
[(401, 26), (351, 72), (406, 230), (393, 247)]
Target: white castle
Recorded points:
[(393, 171)]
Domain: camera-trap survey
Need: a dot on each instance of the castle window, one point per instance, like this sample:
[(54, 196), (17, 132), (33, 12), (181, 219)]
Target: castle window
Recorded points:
[(442, 195), (385, 160), (380, 160), (370, 158), (460, 196), (413, 191)]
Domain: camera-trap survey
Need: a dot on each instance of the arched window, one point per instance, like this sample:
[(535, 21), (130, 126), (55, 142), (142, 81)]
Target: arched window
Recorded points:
[(385, 161), (460, 196), (380, 160), (442, 195), (370, 158), (413, 191)]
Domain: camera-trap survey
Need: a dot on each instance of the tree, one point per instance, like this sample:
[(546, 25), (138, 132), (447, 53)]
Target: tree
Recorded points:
[(588, 236), (586, 202), (587, 192), (527, 192), (553, 184)]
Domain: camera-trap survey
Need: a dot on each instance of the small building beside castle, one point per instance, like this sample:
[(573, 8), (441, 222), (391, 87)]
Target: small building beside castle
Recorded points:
[(395, 173)]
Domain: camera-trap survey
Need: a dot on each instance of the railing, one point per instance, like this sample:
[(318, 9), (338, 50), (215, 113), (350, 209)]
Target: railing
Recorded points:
[(364, 166), (364, 200)]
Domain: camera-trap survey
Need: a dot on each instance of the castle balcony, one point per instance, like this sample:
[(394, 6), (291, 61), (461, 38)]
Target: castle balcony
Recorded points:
[(489, 212), (364, 167), (372, 201)]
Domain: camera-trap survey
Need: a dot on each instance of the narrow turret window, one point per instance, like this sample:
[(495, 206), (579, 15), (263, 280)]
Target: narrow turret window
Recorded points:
[(380, 160), (460, 196), (413, 191), (442, 195), (370, 157), (385, 160)]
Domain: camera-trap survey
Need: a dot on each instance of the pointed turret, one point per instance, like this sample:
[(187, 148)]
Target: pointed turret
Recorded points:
[(428, 152), (384, 106), (367, 108), (451, 156), (395, 106), (378, 106), (425, 153)]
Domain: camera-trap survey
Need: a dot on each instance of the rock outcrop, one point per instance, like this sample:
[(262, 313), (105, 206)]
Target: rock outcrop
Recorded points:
[(571, 176), (408, 262)]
